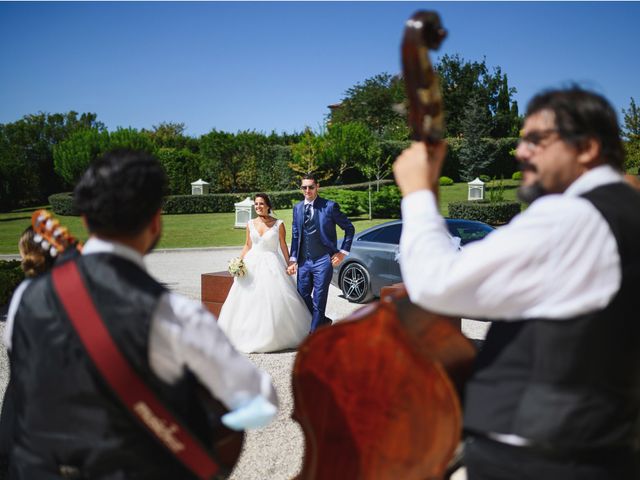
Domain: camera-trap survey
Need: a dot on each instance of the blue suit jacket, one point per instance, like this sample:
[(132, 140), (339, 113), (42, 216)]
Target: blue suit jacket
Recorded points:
[(326, 216)]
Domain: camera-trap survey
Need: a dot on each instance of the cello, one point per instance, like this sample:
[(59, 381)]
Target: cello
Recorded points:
[(378, 394)]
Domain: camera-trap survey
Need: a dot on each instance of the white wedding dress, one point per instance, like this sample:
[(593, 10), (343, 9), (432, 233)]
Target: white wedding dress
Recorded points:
[(263, 311)]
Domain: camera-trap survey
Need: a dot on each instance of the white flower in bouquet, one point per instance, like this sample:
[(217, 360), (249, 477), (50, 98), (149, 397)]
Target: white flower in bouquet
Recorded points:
[(237, 268)]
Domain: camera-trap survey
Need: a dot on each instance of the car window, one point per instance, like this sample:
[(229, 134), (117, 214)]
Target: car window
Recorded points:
[(469, 232), (389, 234)]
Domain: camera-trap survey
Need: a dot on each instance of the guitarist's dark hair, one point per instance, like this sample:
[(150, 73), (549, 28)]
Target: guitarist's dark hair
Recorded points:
[(120, 192), (581, 115)]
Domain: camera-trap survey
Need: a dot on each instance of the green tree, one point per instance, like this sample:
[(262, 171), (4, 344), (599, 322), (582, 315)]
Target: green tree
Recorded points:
[(307, 156), (231, 161), (372, 103), (171, 135), (273, 171), (344, 146), (72, 156), (130, 138), (26, 146), (461, 81), (631, 134), (182, 167), (475, 153)]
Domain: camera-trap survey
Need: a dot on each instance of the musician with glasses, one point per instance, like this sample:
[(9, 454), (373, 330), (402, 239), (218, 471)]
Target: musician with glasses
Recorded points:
[(555, 392), (314, 250)]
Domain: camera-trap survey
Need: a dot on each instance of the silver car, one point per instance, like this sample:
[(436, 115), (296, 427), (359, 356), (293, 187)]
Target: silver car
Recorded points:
[(373, 260)]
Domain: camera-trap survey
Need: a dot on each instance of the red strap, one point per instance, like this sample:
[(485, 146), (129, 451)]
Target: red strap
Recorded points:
[(114, 367)]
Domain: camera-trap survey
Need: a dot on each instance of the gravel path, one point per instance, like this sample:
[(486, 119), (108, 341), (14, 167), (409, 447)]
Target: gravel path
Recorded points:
[(274, 452)]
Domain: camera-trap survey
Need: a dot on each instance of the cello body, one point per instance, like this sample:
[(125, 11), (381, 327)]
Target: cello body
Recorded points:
[(376, 394)]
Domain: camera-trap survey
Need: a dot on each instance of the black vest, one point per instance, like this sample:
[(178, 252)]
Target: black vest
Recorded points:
[(66, 414), (574, 383)]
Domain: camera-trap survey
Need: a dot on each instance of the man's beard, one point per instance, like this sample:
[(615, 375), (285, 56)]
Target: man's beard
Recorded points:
[(530, 193)]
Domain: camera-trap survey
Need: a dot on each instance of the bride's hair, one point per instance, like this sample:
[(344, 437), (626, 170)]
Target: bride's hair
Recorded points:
[(266, 199)]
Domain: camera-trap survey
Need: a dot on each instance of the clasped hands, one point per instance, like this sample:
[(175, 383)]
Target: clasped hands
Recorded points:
[(336, 259)]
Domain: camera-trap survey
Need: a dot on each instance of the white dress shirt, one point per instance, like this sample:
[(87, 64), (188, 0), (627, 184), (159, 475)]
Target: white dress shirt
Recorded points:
[(184, 334), (556, 260)]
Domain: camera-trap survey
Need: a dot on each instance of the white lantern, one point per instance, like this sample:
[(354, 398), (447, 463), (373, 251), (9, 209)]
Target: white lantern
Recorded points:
[(476, 189), (244, 212), (200, 187)]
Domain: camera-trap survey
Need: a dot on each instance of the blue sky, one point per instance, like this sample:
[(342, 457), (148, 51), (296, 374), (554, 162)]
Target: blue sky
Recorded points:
[(277, 65)]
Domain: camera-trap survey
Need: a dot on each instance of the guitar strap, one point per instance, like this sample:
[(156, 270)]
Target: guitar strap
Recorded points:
[(135, 395)]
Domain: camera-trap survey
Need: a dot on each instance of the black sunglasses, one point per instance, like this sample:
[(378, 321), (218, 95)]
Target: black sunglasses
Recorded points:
[(308, 187)]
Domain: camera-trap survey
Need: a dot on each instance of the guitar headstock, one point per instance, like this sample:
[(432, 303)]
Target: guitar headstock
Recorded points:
[(52, 236), (423, 32)]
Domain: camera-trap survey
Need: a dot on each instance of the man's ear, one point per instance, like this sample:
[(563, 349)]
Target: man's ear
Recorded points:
[(589, 153)]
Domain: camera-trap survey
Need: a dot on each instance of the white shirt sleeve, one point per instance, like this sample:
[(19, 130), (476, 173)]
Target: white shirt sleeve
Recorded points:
[(556, 260), (186, 335), (11, 313)]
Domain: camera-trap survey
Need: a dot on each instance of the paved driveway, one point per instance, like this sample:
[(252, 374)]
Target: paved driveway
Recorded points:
[(275, 452)]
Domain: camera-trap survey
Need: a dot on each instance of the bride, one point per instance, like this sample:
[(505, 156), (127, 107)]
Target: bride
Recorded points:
[(263, 311)]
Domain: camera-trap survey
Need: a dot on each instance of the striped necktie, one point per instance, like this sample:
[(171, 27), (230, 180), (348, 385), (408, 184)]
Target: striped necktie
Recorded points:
[(307, 213)]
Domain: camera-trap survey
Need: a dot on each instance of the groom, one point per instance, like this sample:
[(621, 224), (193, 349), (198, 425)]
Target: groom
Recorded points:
[(313, 247)]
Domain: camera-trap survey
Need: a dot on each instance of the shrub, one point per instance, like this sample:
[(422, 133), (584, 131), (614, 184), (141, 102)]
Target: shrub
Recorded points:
[(386, 203), (62, 204), (485, 178), (351, 202), (352, 199), (222, 202), (496, 213), (10, 277), (214, 203), (445, 181), (496, 191), (517, 175)]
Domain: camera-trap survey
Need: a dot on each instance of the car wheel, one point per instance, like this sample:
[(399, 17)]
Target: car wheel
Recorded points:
[(354, 283)]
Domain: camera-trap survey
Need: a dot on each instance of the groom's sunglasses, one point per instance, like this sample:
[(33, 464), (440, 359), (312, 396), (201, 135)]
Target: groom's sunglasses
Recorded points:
[(308, 187)]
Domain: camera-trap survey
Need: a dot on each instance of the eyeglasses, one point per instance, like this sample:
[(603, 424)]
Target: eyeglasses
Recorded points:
[(533, 140), (308, 187)]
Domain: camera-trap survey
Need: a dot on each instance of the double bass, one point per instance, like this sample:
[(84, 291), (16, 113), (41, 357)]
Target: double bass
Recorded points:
[(378, 394)]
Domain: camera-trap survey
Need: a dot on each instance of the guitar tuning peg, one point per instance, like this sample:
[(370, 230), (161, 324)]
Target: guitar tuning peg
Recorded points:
[(37, 238), (53, 252), (45, 244)]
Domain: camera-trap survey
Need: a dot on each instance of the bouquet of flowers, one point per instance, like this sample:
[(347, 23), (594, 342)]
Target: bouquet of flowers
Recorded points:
[(237, 268)]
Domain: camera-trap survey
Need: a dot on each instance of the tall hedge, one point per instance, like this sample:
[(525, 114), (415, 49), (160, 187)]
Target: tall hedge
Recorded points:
[(493, 213)]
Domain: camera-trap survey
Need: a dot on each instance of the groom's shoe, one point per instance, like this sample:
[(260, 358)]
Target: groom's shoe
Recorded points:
[(326, 323)]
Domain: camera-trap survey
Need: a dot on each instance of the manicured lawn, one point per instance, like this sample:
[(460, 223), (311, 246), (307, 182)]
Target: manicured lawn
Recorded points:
[(180, 231), (207, 229)]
